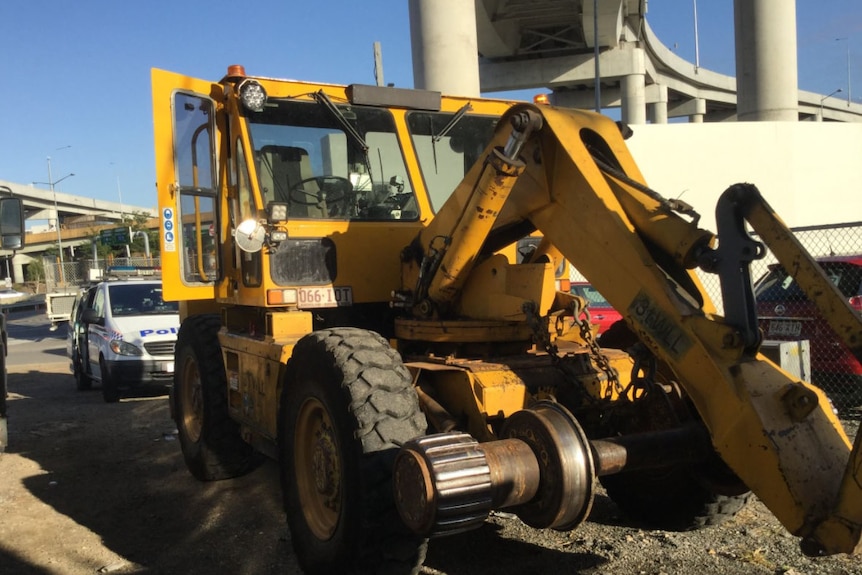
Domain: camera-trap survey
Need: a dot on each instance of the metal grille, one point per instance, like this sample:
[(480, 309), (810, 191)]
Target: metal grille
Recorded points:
[(160, 348)]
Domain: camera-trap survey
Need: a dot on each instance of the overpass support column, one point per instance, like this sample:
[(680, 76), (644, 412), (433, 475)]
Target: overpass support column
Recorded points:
[(634, 99), (445, 46), (766, 72), (18, 261), (658, 113), (658, 104)]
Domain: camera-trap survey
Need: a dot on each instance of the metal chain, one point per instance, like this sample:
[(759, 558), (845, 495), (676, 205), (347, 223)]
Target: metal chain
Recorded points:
[(602, 360), (540, 332)]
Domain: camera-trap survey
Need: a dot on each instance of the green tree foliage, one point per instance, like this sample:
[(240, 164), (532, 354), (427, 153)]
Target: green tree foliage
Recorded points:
[(35, 271)]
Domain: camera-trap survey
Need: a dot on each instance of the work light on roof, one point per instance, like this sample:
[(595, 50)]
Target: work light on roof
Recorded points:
[(252, 95)]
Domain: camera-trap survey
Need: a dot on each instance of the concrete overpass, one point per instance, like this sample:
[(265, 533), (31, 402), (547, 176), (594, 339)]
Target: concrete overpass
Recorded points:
[(78, 217), (551, 44), (809, 171)]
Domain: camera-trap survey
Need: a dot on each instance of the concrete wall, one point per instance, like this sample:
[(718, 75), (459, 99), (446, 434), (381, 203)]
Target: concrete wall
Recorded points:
[(809, 172)]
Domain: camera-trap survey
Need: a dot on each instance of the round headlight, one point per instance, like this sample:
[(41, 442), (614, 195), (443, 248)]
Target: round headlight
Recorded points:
[(252, 95)]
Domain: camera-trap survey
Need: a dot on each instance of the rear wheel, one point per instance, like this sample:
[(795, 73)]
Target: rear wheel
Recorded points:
[(347, 405), (679, 497), (210, 439), (110, 390), (675, 499)]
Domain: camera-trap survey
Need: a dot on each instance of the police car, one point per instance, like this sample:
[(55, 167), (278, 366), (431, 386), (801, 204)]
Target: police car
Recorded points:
[(122, 334)]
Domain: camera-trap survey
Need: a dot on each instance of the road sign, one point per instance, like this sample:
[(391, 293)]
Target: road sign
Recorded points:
[(114, 236)]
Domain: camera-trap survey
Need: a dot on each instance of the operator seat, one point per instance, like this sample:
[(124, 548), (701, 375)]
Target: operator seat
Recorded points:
[(281, 169)]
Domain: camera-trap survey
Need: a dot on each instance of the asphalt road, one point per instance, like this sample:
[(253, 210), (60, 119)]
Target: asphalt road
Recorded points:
[(31, 340)]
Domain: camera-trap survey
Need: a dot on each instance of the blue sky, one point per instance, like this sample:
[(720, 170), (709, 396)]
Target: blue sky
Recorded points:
[(76, 73)]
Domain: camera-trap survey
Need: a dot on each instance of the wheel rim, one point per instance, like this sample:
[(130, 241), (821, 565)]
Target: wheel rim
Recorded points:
[(191, 400), (318, 469)]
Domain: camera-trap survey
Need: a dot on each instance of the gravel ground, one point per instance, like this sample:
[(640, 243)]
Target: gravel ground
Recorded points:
[(88, 487)]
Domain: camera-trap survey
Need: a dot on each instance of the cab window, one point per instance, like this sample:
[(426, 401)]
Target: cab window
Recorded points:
[(196, 175), (447, 149), (250, 263), (306, 157), (99, 303)]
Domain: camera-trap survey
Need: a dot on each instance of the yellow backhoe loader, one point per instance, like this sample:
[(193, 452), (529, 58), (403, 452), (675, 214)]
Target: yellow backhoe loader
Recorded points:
[(351, 308)]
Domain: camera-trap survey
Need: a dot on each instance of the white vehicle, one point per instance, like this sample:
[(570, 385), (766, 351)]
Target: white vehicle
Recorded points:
[(122, 334)]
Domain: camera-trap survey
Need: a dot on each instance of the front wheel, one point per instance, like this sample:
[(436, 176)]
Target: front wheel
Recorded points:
[(82, 378), (110, 389), (211, 442), (347, 405)]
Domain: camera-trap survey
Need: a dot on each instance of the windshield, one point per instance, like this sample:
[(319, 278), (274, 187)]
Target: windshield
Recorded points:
[(304, 156), (143, 299), (779, 286), (589, 293), (445, 159)]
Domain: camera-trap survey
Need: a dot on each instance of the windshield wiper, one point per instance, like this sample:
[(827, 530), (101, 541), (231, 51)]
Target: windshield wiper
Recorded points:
[(324, 101), (446, 129), (455, 119)]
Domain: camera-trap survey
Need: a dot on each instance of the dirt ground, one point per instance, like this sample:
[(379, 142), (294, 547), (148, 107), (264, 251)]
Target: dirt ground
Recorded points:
[(88, 487)]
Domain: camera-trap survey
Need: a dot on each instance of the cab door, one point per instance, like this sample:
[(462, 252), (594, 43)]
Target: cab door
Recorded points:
[(187, 142), (98, 337)]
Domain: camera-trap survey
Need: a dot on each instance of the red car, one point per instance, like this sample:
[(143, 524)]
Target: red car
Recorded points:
[(601, 312), (785, 314)]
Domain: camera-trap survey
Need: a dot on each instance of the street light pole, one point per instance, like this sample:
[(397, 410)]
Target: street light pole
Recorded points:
[(598, 73), (848, 67), (824, 97), (51, 183), (696, 43)]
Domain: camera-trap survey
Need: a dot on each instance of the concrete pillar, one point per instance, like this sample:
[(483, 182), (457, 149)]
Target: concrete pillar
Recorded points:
[(634, 99), (658, 105), (18, 261), (766, 71), (695, 119), (658, 112), (444, 45)]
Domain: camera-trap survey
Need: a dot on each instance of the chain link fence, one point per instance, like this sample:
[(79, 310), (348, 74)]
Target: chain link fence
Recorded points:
[(68, 277), (785, 314), (832, 366)]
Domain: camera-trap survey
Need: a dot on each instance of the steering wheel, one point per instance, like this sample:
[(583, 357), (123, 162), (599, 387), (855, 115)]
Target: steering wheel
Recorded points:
[(333, 194)]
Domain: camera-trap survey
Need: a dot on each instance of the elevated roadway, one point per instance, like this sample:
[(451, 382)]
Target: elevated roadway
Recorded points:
[(78, 217), (550, 44)]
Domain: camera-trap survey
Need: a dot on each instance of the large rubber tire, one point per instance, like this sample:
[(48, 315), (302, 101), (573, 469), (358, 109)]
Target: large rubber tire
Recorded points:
[(348, 403), (673, 499), (681, 497), (210, 440), (83, 382), (110, 390)]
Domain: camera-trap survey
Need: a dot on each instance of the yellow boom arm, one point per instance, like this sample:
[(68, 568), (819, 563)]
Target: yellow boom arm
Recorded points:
[(570, 175)]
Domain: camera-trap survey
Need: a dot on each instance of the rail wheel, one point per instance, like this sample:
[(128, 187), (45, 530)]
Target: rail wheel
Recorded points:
[(210, 440), (348, 403)]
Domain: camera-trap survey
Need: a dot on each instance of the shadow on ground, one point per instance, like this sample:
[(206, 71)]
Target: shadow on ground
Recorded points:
[(117, 471)]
